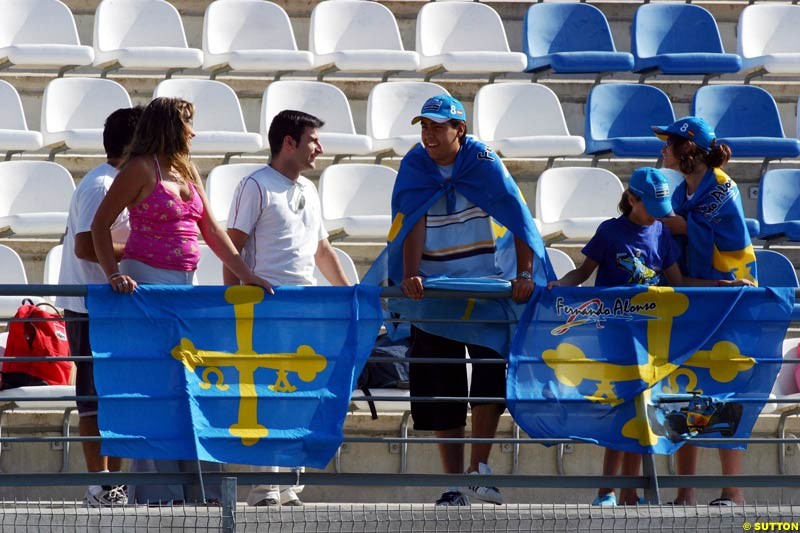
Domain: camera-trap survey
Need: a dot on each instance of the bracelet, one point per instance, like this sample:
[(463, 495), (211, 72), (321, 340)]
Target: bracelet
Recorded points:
[(114, 275), (719, 283)]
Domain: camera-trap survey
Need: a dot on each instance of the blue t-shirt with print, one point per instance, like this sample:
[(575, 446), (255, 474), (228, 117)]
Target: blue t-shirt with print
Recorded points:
[(630, 254)]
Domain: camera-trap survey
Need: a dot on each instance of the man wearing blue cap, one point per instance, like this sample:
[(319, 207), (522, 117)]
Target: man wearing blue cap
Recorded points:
[(448, 190)]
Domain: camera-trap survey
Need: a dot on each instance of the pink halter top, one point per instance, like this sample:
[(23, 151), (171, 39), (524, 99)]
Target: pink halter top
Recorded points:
[(164, 229)]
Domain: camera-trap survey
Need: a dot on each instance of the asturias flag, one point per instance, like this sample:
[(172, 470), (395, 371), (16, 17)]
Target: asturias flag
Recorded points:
[(600, 364), (229, 374)]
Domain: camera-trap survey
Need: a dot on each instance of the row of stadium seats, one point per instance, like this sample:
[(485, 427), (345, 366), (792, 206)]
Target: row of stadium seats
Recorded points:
[(570, 201), (517, 119), (457, 37)]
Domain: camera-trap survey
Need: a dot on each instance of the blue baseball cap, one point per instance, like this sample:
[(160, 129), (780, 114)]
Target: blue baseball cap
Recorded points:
[(693, 128), (442, 108), (652, 186)]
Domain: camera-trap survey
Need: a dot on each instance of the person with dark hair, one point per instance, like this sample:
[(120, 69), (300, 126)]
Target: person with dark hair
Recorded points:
[(455, 238), (709, 226), (79, 267), (275, 220), (167, 206)]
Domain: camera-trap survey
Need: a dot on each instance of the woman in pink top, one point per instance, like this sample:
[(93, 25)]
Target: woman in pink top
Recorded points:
[(167, 204), (162, 190)]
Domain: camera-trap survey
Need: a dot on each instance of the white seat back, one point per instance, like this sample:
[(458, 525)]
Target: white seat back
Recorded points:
[(562, 263), (12, 271), (352, 25), (246, 25), (320, 99), (132, 23), (34, 187), (392, 105), (79, 103), (348, 266), (459, 27), (52, 265), (768, 29), (209, 268), (221, 185), (216, 107), (37, 22), (356, 190), (506, 110), (12, 117), (577, 192)]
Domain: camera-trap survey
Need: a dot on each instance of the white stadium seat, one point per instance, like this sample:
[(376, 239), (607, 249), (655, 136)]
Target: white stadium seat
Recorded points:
[(74, 111), (562, 263), (322, 100), (34, 197), (523, 120), (40, 34), (52, 268), (251, 36), (767, 39), (209, 269), (464, 37), (357, 36), (571, 202), (218, 122), (356, 199), (348, 266), (12, 272), (15, 136), (221, 184), (52, 265), (390, 109), (141, 35)]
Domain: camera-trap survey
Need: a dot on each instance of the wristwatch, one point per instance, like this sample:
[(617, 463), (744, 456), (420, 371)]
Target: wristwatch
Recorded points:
[(524, 275)]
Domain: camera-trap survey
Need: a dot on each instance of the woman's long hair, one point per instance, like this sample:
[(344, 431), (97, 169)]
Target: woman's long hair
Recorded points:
[(165, 129), (689, 154)]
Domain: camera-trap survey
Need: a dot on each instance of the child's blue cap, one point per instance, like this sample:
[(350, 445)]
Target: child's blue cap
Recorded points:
[(693, 128), (442, 108), (652, 187)]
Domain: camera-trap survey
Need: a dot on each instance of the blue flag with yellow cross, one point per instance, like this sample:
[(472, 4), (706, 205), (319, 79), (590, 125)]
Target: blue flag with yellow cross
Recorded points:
[(230, 375), (646, 369)]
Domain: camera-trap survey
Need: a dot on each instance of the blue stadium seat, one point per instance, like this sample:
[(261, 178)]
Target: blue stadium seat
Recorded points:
[(775, 270), (570, 38), (678, 39), (619, 116), (745, 118), (779, 205), (753, 227)]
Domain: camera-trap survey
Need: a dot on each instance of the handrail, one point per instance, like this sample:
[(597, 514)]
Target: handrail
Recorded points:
[(651, 481)]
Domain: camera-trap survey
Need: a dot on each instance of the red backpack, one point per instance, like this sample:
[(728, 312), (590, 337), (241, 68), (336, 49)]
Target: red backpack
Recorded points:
[(39, 338)]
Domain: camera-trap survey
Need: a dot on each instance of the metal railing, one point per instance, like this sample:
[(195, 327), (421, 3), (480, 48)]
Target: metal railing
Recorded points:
[(651, 481)]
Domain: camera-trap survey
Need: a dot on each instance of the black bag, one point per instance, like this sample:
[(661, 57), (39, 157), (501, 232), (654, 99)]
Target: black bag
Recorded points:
[(384, 375)]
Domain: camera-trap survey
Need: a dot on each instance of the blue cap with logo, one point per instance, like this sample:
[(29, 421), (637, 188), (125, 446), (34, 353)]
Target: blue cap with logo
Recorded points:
[(652, 186), (442, 108), (693, 128)]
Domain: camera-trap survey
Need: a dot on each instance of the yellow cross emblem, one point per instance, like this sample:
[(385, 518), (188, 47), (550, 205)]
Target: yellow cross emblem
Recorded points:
[(305, 362), (571, 365)]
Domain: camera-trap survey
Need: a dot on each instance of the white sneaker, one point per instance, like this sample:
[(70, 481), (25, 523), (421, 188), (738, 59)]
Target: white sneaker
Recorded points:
[(107, 496), (273, 497), (487, 494), (289, 497), (452, 498)]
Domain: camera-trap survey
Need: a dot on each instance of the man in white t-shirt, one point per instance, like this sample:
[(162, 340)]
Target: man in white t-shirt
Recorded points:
[(275, 222), (79, 267)]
